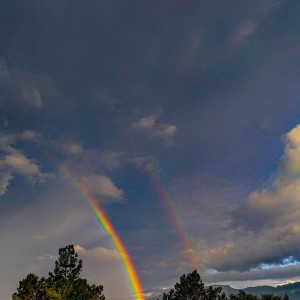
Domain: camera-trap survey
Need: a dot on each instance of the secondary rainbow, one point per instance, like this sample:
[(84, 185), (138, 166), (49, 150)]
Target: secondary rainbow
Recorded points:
[(167, 198), (109, 230)]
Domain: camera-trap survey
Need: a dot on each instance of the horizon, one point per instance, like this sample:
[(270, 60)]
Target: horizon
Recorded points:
[(180, 124)]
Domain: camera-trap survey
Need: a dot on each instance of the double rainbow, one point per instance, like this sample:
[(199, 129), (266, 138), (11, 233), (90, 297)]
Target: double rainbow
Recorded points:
[(109, 230)]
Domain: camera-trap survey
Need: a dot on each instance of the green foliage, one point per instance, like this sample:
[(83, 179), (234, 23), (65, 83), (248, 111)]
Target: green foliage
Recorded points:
[(243, 296), (273, 297), (63, 284), (191, 287), (31, 288), (67, 266)]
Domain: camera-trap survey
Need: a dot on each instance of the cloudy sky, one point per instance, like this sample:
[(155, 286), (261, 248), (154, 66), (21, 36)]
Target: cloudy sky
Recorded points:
[(206, 93)]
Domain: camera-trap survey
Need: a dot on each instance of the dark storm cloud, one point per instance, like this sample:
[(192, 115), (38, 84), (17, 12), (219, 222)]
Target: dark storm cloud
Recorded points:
[(121, 44), (143, 54), (29, 100)]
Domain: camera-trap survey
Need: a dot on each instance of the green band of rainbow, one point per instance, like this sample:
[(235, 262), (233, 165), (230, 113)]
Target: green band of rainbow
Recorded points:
[(109, 230)]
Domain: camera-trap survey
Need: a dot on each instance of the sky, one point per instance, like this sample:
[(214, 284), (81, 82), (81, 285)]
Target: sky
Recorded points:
[(180, 118)]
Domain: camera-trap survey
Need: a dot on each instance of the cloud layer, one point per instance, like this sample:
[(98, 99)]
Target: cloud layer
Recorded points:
[(265, 228), (14, 162)]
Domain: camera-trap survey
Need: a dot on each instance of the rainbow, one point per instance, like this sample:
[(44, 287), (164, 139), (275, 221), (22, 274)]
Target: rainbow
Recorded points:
[(167, 198), (109, 230)]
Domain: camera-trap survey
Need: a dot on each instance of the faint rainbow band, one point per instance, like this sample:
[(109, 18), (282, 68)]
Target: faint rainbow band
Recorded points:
[(166, 196)]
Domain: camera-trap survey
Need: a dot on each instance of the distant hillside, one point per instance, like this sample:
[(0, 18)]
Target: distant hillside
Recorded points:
[(257, 290), (292, 290)]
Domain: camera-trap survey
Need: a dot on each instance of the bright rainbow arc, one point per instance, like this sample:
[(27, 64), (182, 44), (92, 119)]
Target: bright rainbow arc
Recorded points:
[(109, 230), (166, 196)]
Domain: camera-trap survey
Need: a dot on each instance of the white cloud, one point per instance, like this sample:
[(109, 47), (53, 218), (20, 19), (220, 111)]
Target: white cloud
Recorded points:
[(266, 227), (72, 148), (32, 96), (14, 162), (30, 135), (167, 132), (291, 164), (246, 28), (99, 253), (111, 159), (150, 124), (5, 179), (102, 186), (146, 123), (19, 163)]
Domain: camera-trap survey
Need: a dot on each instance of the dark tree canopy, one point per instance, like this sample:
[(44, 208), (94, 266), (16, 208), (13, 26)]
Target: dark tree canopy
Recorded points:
[(31, 288), (67, 266), (63, 284), (243, 296), (191, 287)]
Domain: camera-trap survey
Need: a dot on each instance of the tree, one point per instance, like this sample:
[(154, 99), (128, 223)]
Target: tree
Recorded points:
[(191, 287), (242, 296), (273, 297), (67, 266), (63, 284), (31, 288)]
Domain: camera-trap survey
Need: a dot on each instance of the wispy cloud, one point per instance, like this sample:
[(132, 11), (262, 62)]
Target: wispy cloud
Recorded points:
[(46, 257), (21, 84), (102, 186), (14, 162), (257, 274), (246, 28), (242, 32), (99, 254), (32, 96), (152, 126), (5, 179), (146, 122), (72, 148)]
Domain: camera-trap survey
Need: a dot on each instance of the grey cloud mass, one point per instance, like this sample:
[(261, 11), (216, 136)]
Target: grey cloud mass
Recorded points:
[(266, 225)]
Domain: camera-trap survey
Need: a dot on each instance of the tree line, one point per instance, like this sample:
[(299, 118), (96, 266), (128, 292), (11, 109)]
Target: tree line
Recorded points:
[(191, 287), (64, 283)]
